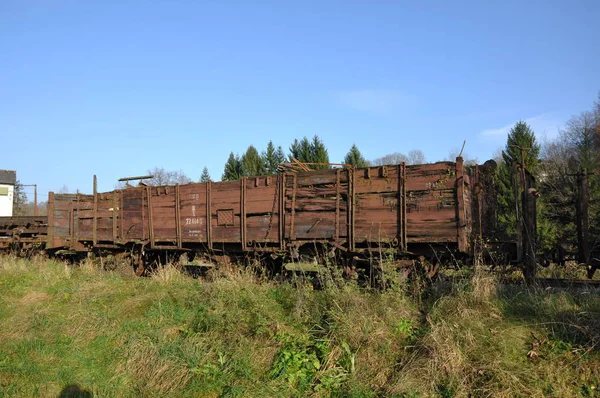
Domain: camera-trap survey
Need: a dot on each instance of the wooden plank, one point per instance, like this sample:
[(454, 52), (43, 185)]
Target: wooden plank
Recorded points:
[(461, 224), (351, 201), (337, 204), (209, 214), (50, 241), (293, 210), (94, 237), (281, 185), (114, 215), (178, 217), (243, 212), (150, 216)]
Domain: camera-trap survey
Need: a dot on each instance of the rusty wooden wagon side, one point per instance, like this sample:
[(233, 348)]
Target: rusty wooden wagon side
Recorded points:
[(23, 233), (399, 209)]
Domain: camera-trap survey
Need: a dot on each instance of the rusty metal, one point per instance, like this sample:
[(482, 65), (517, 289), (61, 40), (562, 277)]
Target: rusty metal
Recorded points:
[(50, 239), (115, 211), (281, 218), (337, 205), (23, 231), (208, 216), (461, 212), (351, 203), (95, 220), (150, 217), (72, 213), (293, 212), (243, 212), (398, 209), (136, 178), (178, 217)]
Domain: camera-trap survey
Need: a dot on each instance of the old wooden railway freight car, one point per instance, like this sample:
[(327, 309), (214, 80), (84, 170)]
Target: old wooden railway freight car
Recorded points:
[(398, 209)]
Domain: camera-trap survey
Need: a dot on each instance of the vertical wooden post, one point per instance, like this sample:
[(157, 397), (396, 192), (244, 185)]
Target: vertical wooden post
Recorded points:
[(518, 220), (35, 203), (177, 218), (529, 230), (71, 225), (402, 244), (115, 207), (150, 218), (337, 205), (582, 209), (121, 205), (243, 212), (50, 237), (208, 215), (281, 219), (351, 209), (293, 212), (95, 220), (461, 225)]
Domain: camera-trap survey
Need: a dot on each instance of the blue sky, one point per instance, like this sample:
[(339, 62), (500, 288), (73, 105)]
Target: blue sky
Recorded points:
[(115, 88)]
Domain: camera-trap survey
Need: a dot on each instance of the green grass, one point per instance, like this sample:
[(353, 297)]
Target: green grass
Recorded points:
[(232, 335)]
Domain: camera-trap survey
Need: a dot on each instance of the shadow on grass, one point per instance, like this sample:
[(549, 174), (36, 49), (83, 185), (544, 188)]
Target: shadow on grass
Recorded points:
[(74, 391), (571, 316)]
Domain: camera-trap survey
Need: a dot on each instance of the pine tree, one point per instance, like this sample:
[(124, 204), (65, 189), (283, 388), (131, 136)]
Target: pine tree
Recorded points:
[(307, 151), (520, 138), (355, 158), (294, 150), (319, 154), (279, 155), (205, 177), (233, 168), (272, 158), (252, 163)]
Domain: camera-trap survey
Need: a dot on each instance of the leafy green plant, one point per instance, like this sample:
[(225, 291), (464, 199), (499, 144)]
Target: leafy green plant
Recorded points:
[(298, 359)]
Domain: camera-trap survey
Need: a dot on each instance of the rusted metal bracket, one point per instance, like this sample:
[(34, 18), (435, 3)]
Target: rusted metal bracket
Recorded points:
[(208, 216), (115, 212), (243, 212), (150, 218), (95, 219), (50, 238), (293, 212), (336, 235), (281, 181), (178, 217)]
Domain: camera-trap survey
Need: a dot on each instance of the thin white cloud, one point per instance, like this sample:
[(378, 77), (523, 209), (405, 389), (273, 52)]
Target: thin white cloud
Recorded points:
[(371, 100), (544, 126)]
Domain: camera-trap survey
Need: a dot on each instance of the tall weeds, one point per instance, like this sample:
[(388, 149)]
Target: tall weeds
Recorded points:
[(235, 333)]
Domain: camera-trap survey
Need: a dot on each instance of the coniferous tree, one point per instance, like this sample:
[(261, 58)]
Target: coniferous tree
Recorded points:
[(252, 163), (520, 138), (319, 154), (307, 151), (295, 150), (233, 168), (272, 158), (205, 177), (355, 158)]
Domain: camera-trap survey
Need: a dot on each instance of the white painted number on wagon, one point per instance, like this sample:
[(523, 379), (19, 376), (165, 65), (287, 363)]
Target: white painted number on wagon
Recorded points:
[(192, 221)]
